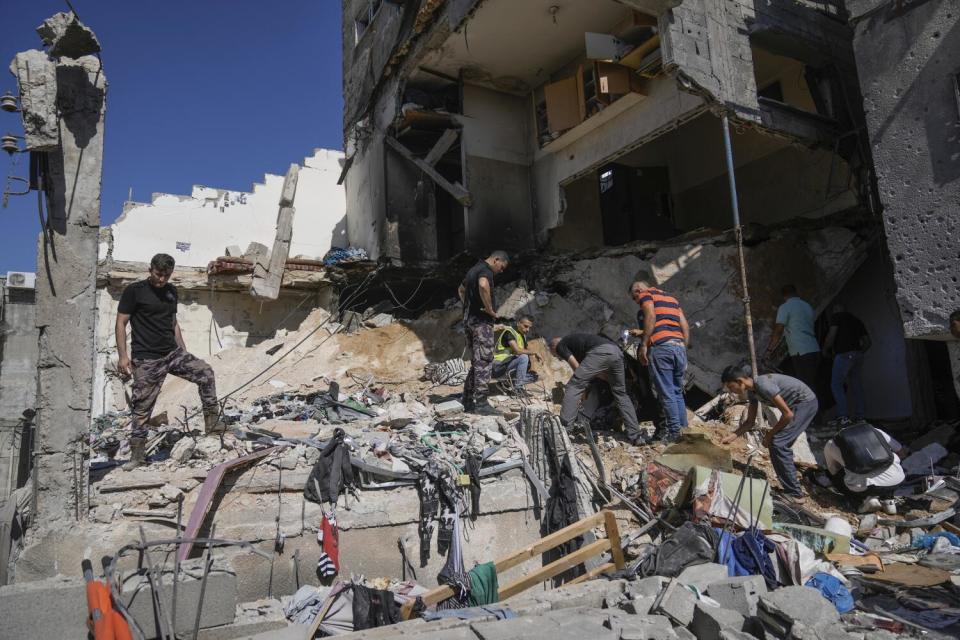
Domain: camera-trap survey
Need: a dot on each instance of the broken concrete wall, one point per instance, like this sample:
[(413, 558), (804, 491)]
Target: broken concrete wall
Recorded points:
[(18, 381), (907, 59), (196, 229), (497, 148), (591, 294), (665, 108), (210, 321)]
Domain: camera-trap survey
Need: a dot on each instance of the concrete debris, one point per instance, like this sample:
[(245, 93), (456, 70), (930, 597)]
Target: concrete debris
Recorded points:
[(66, 36), (740, 593), (448, 408), (379, 320), (702, 576), (709, 622), (36, 76), (183, 450), (676, 602)]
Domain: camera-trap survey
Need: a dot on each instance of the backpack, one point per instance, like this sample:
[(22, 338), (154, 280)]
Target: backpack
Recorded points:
[(864, 449)]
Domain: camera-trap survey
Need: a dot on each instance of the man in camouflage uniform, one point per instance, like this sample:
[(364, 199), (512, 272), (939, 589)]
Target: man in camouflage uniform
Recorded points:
[(150, 306), (479, 313)]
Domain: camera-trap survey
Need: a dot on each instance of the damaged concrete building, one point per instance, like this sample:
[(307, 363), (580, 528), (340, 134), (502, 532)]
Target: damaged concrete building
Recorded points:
[(593, 129)]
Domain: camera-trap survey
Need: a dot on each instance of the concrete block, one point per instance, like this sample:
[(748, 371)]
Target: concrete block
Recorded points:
[(647, 587), (233, 251), (448, 408), (585, 594), (27, 609), (640, 628), (536, 628), (702, 575), (684, 634), (709, 621), (733, 634), (251, 618), (219, 601), (781, 609), (676, 602), (740, 593), (637, 606)]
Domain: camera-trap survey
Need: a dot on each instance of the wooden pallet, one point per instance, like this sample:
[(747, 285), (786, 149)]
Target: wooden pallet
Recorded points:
[(558, 566)]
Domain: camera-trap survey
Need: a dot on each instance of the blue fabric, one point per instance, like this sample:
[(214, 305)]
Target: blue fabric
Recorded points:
[(519, 365), (752, 551), (727, 557), (833, 590), (797, 318), (338, 255), (668, 364), (927, 540), (848, 372)]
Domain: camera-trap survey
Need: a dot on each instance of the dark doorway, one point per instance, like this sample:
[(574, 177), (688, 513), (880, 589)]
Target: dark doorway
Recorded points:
[(635, 204)]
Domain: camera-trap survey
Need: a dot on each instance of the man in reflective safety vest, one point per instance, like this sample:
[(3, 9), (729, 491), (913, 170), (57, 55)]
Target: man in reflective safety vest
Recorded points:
[(511, 354)]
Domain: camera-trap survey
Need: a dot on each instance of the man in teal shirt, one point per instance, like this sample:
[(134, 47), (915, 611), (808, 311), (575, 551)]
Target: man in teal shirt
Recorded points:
[(795, 318)]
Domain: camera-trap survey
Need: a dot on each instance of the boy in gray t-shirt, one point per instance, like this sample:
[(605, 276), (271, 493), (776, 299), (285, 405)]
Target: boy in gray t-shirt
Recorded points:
[(797, 405)]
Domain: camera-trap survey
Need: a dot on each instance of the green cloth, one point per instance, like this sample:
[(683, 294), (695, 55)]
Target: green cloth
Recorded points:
[(483, 585)]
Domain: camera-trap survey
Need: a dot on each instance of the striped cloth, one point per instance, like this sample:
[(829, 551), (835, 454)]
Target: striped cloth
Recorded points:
[(666, 325)]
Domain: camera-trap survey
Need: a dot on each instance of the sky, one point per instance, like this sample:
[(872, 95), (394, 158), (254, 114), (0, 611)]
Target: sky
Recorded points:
[(211, 92)]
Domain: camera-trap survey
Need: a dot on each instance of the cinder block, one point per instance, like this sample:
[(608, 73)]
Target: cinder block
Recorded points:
[(646, 587), (219, 600), (740, 593), (708, 621), (703, 575), (251, 618), (640, 628), (780, 610), (676, 602), (51, 608)]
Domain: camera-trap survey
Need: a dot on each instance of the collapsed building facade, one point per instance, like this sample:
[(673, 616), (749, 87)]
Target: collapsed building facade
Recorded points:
[(584, 136)]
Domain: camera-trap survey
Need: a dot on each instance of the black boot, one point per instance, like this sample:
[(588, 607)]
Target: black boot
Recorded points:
[(138, 454), (212, 421)]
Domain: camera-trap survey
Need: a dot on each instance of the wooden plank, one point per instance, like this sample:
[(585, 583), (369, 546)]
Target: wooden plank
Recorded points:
[(563, 104), (635, 57), (549, 542), (593, 573), (441, 147), (554, 568), (455, 189), (613, 535)]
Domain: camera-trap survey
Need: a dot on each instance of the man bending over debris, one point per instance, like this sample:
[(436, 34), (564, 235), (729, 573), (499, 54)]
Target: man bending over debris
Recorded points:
[(512, 354), (665, 334), (150, 306), (479, 312), (594, 357), (864, 461), (797, 405)]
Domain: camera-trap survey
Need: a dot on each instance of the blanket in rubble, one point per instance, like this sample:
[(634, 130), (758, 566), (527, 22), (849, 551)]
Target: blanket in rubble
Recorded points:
[(690, 544), (332, 471)]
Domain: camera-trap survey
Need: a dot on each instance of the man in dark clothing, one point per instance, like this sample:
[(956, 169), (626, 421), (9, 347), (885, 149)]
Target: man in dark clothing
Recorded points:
[(955, 324), (592, 357), (797, 405), (847, 341), (479, 313), (150, 306)]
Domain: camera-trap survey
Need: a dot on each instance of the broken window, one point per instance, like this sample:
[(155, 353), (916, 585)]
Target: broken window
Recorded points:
[(365, 18), (783, 81)]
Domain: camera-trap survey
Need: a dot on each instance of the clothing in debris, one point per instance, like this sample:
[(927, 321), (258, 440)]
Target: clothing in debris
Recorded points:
[(473, 307), (472, 464), (597, 358), (480, 345), (329, 538), (833, 590), (373, 608), (500, 613), (752, 551), (152, 312), (148, 377), (454, 574), (561, 509), (691, 544), (667, 313), (860, 441), (428, 492), (332, 472), (484, 587)]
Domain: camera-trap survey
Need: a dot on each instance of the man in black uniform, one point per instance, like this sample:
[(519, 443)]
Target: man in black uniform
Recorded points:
[(847, 341), (150, 306), (479, 313), (594, 357)]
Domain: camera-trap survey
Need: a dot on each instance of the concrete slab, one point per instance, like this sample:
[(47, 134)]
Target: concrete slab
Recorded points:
[(780, 610), (677, 603), (251, 618), (740, 593), (702, 575), (708, 622), (26, 609)]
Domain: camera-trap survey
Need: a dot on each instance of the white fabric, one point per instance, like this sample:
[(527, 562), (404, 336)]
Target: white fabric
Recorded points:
[(860, 482)]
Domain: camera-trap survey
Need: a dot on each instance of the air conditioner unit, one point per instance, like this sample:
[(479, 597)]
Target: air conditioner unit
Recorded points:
[(21, 280)]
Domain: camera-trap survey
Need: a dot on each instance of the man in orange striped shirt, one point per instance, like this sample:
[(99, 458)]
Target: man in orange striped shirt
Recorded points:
[(663, 350)]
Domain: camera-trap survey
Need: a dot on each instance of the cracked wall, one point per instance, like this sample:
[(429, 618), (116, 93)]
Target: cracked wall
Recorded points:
[(908, 61)]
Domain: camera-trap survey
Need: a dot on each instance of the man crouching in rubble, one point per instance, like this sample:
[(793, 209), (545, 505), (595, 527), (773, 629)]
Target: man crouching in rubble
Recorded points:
[(150, 306), (797, 405), (594, 357), (479, 313)]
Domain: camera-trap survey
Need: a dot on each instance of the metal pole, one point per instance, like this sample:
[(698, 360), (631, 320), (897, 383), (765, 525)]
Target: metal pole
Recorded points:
[(738, 232)]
